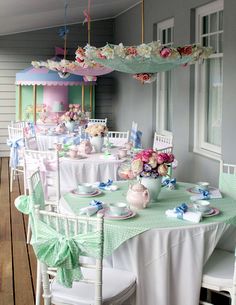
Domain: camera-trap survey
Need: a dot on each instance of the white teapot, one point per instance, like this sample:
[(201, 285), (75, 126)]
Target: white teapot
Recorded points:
[(85, 147), (138, 196)]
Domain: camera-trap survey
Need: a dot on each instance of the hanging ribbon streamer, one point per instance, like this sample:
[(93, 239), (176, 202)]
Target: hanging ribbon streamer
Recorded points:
[(63, 31)]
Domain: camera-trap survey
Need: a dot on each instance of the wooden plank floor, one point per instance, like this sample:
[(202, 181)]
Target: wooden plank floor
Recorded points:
[(17, 261)]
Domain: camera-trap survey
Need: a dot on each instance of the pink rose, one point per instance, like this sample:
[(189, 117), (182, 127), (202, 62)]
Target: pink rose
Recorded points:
[(162, 170), (131, 51), (187, 50), (165, 52), (153, 162), (137, 167), (171, 158)]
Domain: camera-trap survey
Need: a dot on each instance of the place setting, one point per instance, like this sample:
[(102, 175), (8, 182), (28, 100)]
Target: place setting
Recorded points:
[(86, 190), (117, 211), (203, 190)]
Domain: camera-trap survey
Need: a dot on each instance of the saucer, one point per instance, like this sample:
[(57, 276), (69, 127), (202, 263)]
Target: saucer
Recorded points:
[(214, 212), (195, 190), (106, 213), (94, 192)]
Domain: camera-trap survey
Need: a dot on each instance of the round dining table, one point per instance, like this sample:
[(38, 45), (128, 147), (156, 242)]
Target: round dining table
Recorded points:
[(167, 255), (94, 167)]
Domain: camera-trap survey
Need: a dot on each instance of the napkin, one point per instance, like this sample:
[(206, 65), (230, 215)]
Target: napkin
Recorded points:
[(182, 212), (93, 207), (205, 195)]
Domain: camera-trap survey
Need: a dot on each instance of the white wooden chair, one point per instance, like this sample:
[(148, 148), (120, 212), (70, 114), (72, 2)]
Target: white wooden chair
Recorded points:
[(49, 166), (219, 273), (97, 121), (118, 138), (31, 143), (163, 143), (16, 137), (99, 285)]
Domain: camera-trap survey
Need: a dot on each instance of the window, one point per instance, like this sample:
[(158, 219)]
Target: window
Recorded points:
[(164, 115), (209, 81)]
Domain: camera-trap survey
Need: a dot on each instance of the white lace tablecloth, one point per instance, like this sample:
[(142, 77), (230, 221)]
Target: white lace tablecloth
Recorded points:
[(94, 167)]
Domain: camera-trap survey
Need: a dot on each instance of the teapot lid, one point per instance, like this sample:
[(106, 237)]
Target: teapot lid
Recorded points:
[(138, 187)]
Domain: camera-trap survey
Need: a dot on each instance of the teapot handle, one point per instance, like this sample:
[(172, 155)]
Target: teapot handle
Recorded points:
[(147, 196)]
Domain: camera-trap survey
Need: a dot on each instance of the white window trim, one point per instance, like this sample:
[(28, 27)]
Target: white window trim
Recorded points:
[(201, 147), (160, 101)]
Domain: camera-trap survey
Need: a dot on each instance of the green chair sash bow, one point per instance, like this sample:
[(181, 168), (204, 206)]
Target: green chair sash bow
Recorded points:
[(55, 249)]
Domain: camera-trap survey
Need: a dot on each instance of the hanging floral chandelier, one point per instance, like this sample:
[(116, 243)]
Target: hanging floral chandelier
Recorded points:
[(83, 66), (146, 59)]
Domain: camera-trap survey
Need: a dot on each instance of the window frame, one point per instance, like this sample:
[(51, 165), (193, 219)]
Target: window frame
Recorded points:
[(161, 105), (200, 102)]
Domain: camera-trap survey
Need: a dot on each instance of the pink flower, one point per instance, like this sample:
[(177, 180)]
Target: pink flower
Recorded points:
[(101, 56), (187, 50), (137, 167), (131, 51), (171, 158), (153, 162), (165, 52), (162, 170)]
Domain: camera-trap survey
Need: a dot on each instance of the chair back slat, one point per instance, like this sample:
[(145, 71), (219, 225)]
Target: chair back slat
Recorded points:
[(227, 179), (163, 142), (97, 121), (118, 138)]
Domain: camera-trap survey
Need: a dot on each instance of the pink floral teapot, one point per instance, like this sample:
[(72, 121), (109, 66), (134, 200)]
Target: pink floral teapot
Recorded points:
[(138, 196), (85, 147)]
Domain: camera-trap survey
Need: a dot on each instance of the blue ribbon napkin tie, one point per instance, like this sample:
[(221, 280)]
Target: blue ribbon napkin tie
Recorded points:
[(180, 210), (170, 183), (97, 204), (205, 194), (103, 185)]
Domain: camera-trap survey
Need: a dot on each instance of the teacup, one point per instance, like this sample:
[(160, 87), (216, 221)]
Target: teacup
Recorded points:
[(73, 153), (85, 188), (203, 186), (202, 206), (122, 152), (58, 146), (118, 208)]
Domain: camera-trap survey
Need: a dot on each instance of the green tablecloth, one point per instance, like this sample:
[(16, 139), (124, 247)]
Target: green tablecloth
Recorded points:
[(118, 231)]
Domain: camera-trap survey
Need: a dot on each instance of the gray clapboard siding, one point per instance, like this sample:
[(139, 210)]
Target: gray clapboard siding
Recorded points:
[(18, 50)]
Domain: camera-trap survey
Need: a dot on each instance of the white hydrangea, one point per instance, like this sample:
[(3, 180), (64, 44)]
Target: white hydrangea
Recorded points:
[(119, 50), (108, 52), (144, 50)]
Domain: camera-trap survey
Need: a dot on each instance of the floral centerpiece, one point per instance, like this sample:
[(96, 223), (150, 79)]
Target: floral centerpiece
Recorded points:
[(150, 163), (151, 166), (72, 116), (97, 133), (97, 130)]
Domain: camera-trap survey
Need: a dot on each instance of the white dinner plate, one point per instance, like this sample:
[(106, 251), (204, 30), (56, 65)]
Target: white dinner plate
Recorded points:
[(94, 192), (107, 214)]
